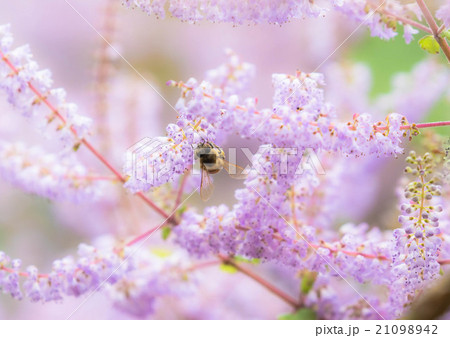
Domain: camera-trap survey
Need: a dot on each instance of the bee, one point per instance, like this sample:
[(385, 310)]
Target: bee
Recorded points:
[(212, 160)]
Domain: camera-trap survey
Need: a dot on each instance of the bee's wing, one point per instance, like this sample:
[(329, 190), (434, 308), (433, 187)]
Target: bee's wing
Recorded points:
[(206, 186), (234, 170)]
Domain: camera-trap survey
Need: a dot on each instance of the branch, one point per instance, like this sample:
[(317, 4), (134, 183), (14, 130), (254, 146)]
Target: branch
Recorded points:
[(418, 125), (428, 125), (408, 21), (434, 28)]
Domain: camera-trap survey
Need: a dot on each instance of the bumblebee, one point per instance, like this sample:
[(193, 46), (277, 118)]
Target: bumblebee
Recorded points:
[(212, 160)]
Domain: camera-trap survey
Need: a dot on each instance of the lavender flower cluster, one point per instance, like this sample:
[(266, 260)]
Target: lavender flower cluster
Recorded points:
[(381, 17), (47, 175), (234, 11), (22, 79), (133, 281), (418, 242)]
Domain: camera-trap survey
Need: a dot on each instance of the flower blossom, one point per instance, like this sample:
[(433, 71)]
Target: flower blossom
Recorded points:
[(48, 175), (418, 242), (29, 90), (233, 11), (132, 279), (370, 13)]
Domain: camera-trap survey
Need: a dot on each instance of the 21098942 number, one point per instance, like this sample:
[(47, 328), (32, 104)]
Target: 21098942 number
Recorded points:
[(406, 329)]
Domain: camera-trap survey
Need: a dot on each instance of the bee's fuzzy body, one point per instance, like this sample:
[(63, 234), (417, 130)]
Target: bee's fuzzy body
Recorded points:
[(211, 157)]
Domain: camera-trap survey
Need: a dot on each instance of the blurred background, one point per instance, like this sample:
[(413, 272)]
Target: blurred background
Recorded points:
[(362, 74)]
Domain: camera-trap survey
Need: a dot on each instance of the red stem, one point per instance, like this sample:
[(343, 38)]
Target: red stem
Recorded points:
[(444, 261), (103, 160), (143, 236), (408, 21), (429, 125), (350, 253), (419, 125)]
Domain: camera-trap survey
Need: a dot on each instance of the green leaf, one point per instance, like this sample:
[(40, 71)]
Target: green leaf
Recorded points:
[(302, 314), (429, 44), (166, 232), (76, 146), (228, 268), (446, 34), (308, 279)]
